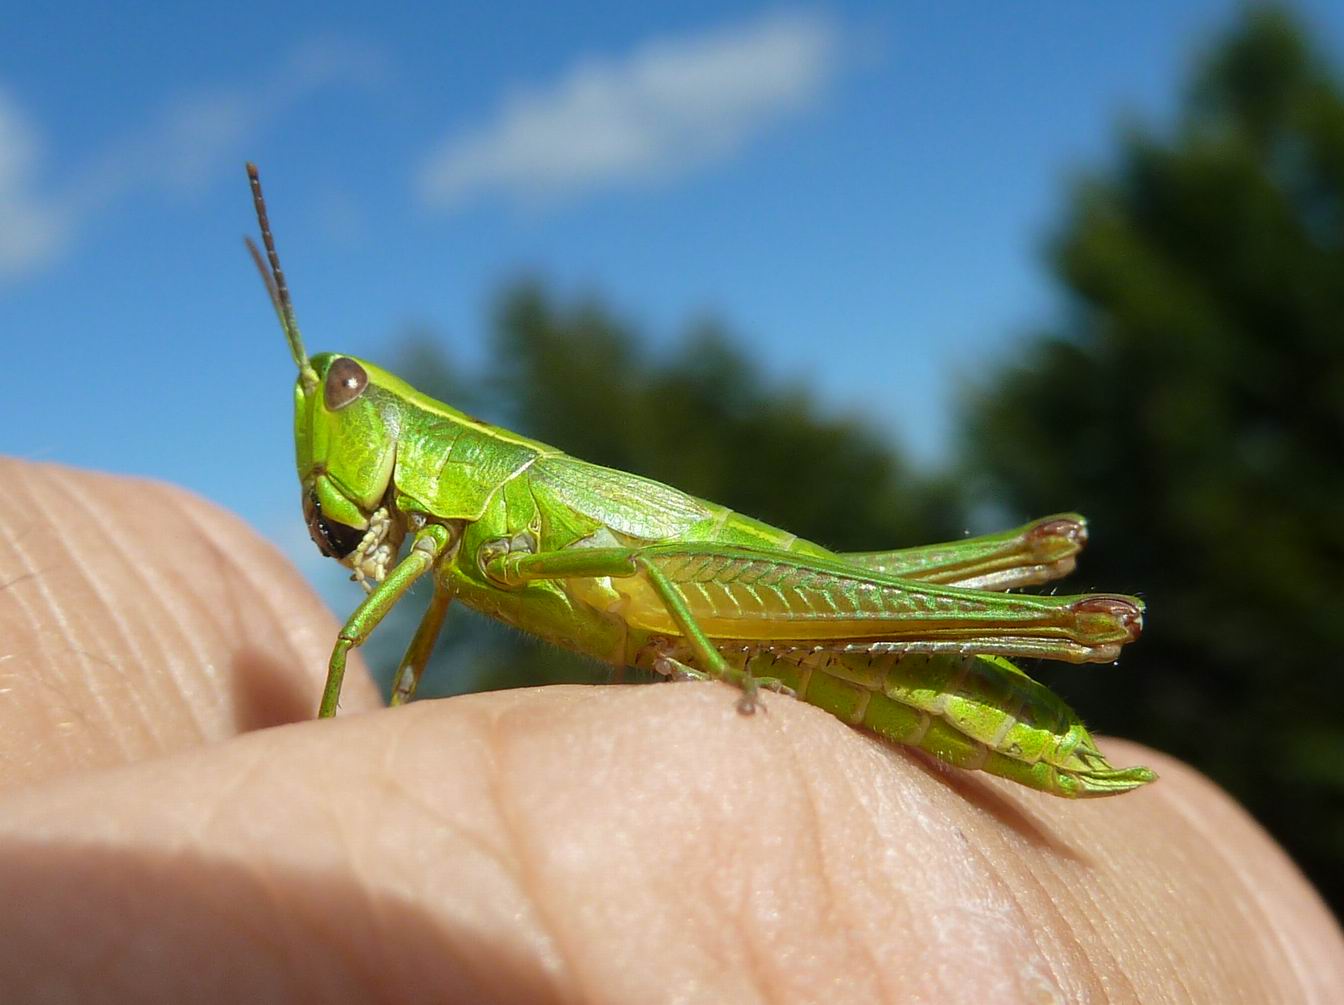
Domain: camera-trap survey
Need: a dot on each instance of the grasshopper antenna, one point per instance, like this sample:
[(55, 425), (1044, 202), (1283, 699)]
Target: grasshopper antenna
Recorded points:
[(274, 278)]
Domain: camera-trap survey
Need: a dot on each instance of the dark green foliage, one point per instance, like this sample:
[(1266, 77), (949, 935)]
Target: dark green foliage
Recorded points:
[(1192, 405)]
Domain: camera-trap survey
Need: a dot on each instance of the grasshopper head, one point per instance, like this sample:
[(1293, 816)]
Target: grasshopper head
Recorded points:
[(345, 441), (345, 447)]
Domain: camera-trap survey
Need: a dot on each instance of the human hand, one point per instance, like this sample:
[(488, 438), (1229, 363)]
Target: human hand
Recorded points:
[(173, 827)]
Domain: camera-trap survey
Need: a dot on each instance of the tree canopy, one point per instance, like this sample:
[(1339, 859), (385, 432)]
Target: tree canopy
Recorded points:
[(1191, 402)]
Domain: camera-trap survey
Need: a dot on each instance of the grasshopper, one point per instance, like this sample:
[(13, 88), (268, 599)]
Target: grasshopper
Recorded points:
[(913, 645)]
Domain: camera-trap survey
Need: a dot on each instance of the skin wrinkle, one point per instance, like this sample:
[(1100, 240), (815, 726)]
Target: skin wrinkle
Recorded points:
[(529, 877), (51, 674), (1092, 910), (109, 529), (102, 963), (473, 842), (335, 934), (22, 577), (995, 886), (860, 796), (171, 682), (881, 758), (761, 974), (110, 721), (1065, 931), (1177, 968), (228, 570), (392, 778), (285, 937), (1086, 973), (224, 910), (369, 974), (802, 773), (347, 838), (439, 816), (55, 610), (322, 928), (98, 954), (758, 974), (231, 569), (286, 940), (176, 614), (1165, 950), (390, 785), (1088, 913), (490, 732), (945, 776), (60, 706), (411, 796), (173, 603), (738, 955), (1286, 951), (213, 810)]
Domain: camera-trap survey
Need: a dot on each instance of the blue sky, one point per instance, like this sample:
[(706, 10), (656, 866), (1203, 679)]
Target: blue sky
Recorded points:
[(860, 190)]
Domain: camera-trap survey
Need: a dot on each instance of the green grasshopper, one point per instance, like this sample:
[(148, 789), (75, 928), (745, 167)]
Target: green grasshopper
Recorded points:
[(912, 645)]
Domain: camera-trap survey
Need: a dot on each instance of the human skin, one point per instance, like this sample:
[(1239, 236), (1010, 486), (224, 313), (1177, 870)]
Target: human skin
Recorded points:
[(174, 827)]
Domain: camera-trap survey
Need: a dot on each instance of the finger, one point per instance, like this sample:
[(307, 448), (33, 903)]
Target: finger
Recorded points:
[(638, 844), (138, 620)]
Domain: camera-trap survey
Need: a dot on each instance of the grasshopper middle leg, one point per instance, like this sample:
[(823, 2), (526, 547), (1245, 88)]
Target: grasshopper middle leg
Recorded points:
[(417, 653)]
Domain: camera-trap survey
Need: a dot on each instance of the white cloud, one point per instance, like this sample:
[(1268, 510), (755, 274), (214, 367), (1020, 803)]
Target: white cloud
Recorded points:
[(193, 139), (32, 230), (668, 107), (200, 135)]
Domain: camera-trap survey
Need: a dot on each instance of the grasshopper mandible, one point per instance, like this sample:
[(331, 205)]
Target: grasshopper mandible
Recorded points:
[(912, 645)]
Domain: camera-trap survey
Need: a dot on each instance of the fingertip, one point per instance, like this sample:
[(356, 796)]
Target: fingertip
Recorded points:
[(142, 620)]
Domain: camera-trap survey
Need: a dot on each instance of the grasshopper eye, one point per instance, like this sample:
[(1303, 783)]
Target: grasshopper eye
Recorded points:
[(335, 540), (346, 381)]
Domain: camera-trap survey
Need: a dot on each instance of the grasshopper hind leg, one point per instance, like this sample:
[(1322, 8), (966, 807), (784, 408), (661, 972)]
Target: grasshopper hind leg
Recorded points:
[(976, 713)]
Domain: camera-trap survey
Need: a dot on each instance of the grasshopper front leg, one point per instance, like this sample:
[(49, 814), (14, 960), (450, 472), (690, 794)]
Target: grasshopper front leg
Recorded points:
[(430, 542)]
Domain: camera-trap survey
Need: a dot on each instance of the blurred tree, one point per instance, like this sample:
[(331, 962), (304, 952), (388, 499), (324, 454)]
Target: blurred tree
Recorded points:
[(1192, 404), (704, 419)]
